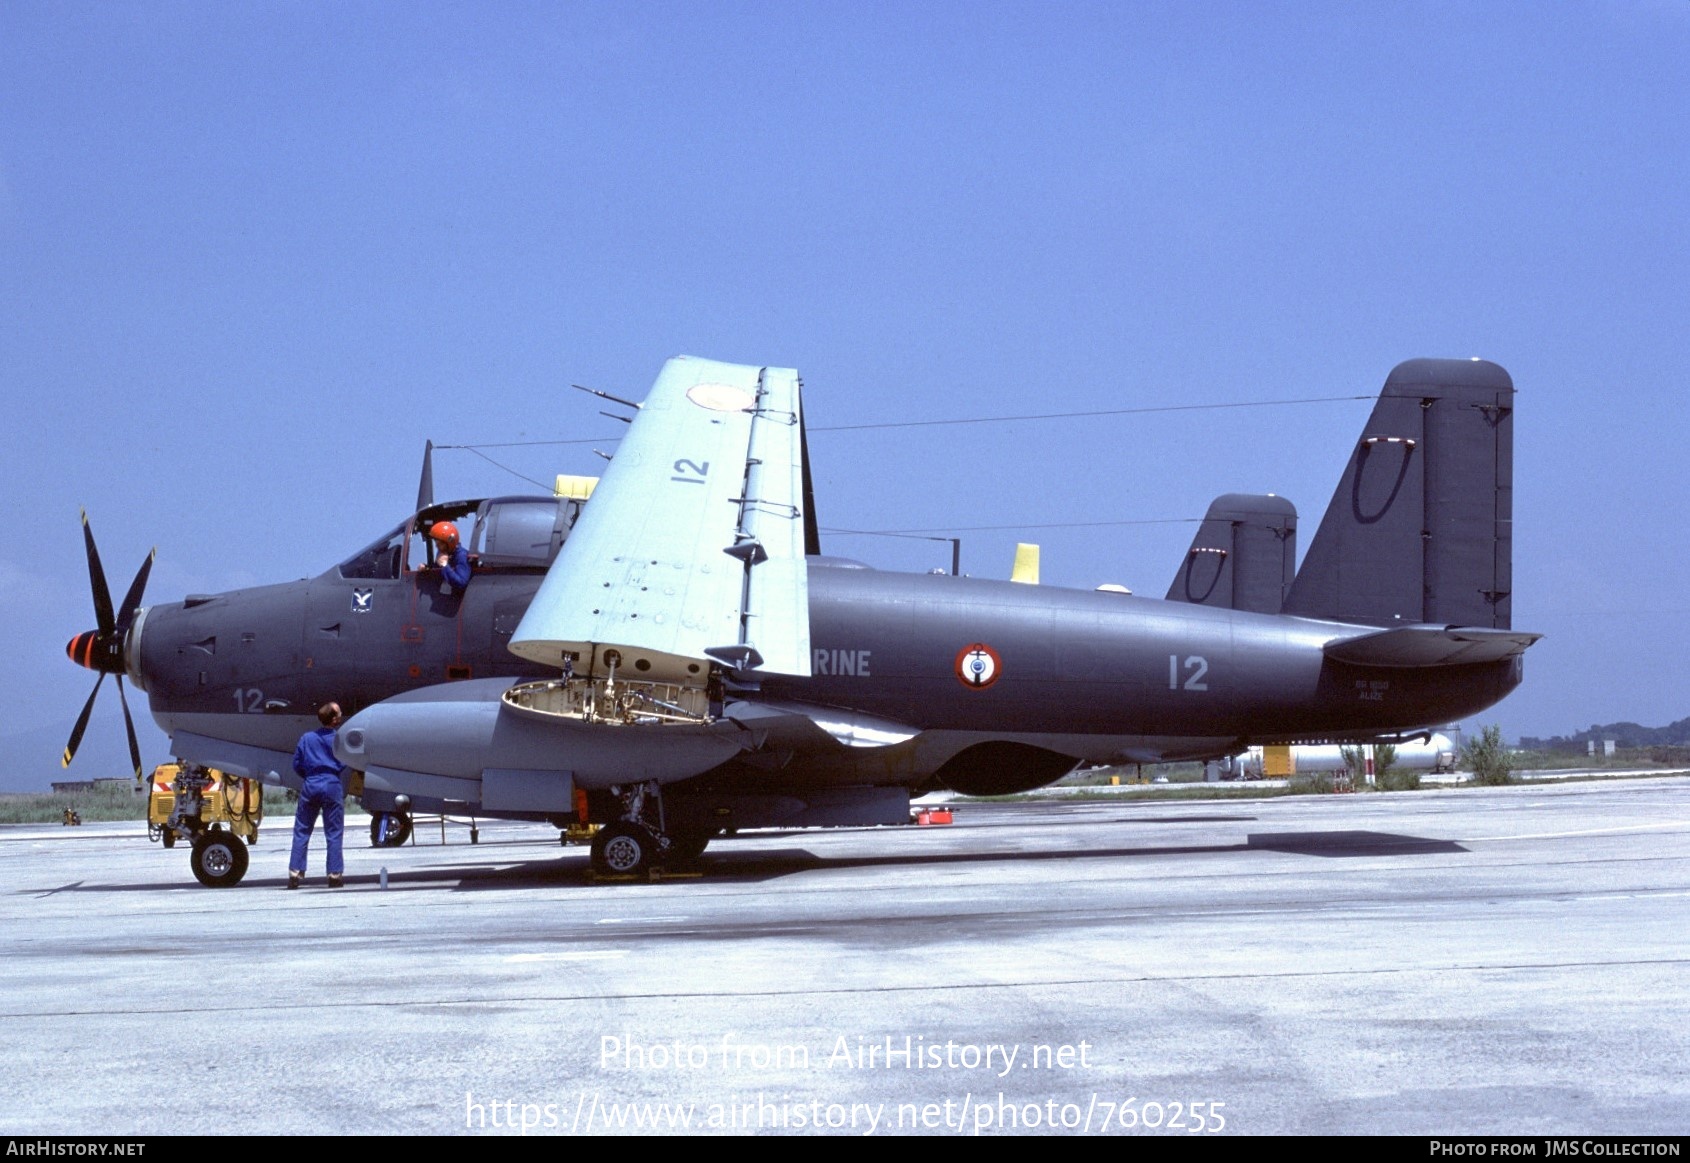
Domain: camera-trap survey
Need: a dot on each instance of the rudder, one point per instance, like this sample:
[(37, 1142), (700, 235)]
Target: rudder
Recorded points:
[(1421, 527), (1243, 557)]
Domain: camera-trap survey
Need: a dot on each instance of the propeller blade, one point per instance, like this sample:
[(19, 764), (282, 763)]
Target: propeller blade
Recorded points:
[(132, 600), (129, 725), (82, 723), (97, 580)]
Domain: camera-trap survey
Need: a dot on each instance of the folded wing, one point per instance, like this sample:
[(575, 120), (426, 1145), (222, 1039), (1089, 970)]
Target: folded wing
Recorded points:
[(692, 548)]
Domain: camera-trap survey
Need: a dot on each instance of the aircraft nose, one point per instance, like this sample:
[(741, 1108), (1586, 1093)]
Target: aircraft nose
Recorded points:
[(96, 651)]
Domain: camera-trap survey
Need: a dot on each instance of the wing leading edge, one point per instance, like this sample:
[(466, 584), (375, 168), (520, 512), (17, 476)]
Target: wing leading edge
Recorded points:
[(692, 549)]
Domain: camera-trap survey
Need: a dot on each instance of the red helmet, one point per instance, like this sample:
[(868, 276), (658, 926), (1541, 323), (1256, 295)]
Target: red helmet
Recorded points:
[(444, 531)]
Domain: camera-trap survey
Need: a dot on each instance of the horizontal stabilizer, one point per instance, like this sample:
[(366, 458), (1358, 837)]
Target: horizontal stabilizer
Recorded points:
[(1430, 646)]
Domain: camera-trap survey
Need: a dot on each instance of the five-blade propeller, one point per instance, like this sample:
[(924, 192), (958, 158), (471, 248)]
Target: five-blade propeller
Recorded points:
[(101, 649)]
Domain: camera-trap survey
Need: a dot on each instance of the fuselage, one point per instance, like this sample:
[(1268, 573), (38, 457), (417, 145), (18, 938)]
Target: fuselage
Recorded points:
[(1094, 676)]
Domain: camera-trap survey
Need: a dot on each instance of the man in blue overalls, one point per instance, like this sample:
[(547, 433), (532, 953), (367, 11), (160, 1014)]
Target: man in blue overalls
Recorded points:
[(314, 762), (453, 558)]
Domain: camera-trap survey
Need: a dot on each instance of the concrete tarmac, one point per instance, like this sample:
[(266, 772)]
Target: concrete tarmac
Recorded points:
[(1473, 961)]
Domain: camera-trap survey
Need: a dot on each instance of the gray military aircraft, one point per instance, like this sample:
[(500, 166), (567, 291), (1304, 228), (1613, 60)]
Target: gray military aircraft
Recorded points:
[(675, 659)]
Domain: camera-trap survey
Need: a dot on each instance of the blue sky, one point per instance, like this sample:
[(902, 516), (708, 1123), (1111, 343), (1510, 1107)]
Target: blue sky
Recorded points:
[(252, 256)]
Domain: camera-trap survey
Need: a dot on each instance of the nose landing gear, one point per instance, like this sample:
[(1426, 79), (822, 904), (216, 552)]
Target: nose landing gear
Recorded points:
[(219, 858)]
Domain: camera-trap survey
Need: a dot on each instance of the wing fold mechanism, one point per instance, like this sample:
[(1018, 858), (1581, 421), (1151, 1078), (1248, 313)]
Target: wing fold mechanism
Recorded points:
[(1422, 645), (689, 560)]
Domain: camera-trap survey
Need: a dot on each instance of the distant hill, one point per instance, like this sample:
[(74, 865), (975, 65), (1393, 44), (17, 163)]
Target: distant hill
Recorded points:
[(1623, 734)]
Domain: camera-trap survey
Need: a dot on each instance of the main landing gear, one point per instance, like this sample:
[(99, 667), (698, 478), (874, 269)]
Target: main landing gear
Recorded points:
[(638, 843), (625, 849), (219, 858)]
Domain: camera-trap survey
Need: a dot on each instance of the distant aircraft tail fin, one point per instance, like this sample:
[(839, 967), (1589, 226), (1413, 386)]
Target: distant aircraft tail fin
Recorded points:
[(1421, 527), (1026, 567), (1243, 557)]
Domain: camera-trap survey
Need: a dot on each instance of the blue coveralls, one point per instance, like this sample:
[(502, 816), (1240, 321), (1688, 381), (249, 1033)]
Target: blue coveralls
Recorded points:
[(314, 762), (457, 570)]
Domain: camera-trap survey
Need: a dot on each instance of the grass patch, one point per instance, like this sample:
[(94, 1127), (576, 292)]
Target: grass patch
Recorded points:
[(103, 803), (1623, 759), (1169, 791), (1128, 774), (108, 802), (1399, 779)]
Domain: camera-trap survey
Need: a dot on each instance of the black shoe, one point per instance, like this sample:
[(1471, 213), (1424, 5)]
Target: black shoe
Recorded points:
[(335, 880), (295, 879)]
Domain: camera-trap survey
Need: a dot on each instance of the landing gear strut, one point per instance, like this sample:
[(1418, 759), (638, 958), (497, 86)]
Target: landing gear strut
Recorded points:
[(640, 841)]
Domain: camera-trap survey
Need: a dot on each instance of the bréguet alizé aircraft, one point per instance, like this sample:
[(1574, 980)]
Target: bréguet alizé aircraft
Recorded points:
[(675, 659)]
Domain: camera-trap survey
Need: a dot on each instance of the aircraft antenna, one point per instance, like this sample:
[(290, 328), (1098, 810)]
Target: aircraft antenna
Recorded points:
[(425, 486), (606, 396)]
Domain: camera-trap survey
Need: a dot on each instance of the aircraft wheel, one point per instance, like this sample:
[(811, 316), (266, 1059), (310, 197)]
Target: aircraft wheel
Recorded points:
[(389, 829), (689, 845), (219, 859), (623, 849), (167, 837)]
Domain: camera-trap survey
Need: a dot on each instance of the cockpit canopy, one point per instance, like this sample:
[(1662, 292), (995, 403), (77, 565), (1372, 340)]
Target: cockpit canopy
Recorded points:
[(501, 533)]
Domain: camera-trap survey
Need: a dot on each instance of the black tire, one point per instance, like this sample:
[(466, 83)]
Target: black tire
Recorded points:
[(389, 829), (623, 849), (688, 846), (219, 859), (167, 837)]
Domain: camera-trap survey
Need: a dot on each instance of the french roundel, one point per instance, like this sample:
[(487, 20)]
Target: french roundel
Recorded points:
[(978, 666)]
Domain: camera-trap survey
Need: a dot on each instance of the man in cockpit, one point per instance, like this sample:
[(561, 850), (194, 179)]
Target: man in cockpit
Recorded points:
[(453, 558)]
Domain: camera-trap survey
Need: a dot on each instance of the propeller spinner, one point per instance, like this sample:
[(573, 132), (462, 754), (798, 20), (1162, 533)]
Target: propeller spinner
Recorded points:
[(102, 648)]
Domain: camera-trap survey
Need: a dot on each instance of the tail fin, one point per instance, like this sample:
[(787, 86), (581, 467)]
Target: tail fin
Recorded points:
[(1243, 557), (1026, 567), (1421, 527)]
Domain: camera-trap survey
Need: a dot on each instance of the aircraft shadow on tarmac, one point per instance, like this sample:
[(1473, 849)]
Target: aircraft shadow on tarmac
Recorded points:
[(723, 864)]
